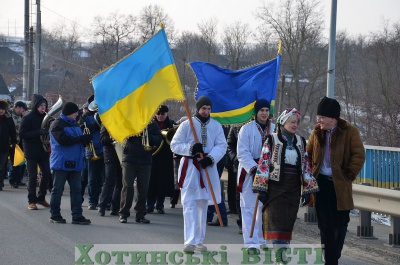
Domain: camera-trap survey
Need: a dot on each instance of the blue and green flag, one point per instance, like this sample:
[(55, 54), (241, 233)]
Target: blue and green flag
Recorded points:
[(234, 92)]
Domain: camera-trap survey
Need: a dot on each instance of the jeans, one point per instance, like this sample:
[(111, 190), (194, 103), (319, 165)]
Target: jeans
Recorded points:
[(112, 186), (44, 165), (331, 222), (130, 172), (95, 172), (84, 177), (74, 182)]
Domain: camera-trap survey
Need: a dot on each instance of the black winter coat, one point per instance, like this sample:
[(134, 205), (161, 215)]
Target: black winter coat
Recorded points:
[(8, 134), (110, 155), (232, 148), (162, 170), (29, 131), (134, 152)]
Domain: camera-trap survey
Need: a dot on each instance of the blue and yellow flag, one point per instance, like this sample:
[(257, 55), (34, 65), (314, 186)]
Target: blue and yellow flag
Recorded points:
[(129, 92), (234, 92)]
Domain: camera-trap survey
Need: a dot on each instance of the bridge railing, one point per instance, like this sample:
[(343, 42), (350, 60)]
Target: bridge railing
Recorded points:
[(381, 168)]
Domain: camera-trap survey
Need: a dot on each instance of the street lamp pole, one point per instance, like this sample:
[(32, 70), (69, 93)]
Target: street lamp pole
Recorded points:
[(330, 90)]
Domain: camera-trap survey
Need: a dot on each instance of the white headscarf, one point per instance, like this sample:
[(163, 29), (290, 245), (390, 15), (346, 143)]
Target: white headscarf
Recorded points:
[(286, 114)]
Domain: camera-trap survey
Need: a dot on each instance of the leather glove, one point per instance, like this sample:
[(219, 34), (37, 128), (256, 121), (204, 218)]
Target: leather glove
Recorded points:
[(305, 199), (205, 162), (262, 196), (44, 132), (197, 148), (86, 138)]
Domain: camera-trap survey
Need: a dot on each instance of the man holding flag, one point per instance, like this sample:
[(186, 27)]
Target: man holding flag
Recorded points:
[(195, 191)]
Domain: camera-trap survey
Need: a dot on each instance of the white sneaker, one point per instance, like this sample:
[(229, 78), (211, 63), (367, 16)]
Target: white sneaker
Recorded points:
[(200, 247), (188, 248)]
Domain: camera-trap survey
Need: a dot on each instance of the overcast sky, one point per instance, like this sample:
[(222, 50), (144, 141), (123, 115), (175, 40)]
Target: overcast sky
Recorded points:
[(354, 16)]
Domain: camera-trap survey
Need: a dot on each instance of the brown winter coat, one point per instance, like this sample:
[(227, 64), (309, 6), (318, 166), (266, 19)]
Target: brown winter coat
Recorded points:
[(347, 159)]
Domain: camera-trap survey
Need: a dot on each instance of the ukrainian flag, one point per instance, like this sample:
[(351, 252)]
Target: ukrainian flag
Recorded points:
[(129, 92), (234, 92)]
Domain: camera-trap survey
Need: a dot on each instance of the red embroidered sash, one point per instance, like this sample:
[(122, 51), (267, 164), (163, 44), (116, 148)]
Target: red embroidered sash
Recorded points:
[(184, 170)]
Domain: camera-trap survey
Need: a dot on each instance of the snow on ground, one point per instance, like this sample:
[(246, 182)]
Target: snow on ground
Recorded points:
[(375, 217)]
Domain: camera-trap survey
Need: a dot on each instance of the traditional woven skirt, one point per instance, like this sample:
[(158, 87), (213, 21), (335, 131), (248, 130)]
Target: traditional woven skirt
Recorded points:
[(280, 211)]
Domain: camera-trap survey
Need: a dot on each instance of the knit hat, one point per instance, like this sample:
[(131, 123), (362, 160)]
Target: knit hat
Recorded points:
[(286, 114), (163, 109), (21, 104), (203, 100), (70, 108), (329, 107), (261, 103)]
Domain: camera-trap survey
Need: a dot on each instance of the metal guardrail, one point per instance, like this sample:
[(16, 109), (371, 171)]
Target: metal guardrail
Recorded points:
[(376, 199), (372, 199)]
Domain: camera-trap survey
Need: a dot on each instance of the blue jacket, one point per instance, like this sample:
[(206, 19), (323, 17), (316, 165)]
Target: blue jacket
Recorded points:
[(67, 149)]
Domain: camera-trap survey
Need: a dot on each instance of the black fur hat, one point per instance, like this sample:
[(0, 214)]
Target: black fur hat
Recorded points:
[(329, 107)]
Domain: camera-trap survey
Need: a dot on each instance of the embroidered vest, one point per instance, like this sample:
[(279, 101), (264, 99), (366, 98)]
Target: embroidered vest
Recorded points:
[(277, 152)]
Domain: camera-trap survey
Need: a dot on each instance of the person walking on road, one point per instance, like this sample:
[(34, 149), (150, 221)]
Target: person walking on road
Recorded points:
[(337, 154), (283, 175), (195, 191), (67, 160), (249, 144), (8, 137), (35, 155)]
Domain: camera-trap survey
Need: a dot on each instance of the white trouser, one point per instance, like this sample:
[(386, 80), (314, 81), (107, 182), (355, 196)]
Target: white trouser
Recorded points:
[(195, 221), (247, 217)]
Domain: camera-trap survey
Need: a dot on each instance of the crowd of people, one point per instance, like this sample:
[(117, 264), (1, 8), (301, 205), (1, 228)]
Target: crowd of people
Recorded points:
[(271, 169)]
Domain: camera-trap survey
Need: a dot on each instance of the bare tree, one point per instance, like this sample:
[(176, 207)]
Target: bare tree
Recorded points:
[(208, 32), (114, 32), (265, 47), (382, 83), (298, 24), (235, 40), (63, 67), (150, 20)]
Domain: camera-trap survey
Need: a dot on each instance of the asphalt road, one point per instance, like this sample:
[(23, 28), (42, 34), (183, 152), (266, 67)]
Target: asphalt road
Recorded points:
[(27, 237)]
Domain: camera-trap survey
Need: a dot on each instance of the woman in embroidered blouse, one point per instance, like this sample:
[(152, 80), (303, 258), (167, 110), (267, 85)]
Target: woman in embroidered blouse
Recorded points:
[(283, 176)]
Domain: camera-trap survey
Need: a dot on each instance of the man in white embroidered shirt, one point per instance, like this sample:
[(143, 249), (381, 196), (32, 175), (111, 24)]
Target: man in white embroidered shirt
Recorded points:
[(195, 193)]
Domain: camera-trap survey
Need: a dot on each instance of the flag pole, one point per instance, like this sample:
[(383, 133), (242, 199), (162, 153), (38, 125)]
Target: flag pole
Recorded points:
[(205, 169)]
